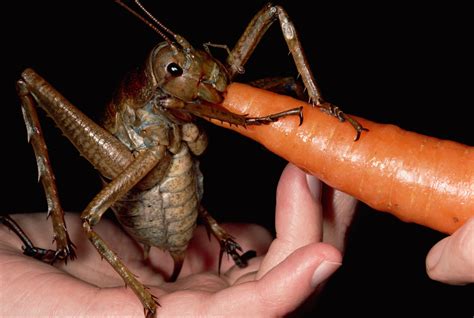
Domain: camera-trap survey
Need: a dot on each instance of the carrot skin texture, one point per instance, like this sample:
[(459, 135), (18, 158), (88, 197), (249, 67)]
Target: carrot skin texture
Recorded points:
[(417, 178)]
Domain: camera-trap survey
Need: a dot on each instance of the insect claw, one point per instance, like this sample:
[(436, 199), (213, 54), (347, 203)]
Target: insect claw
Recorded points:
[(221, 254), (208, 230), (359, 132), (300, 115), (357, 136), (248, 255), (149, 313)]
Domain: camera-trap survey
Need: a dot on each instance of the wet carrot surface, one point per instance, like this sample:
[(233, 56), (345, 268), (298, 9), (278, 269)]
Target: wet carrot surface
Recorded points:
[(417, 178)]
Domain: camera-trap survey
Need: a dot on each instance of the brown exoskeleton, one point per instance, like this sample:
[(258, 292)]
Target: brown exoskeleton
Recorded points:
[(146, 147)]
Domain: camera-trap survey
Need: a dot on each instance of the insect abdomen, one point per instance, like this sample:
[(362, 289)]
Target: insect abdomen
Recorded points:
[(165, 215)]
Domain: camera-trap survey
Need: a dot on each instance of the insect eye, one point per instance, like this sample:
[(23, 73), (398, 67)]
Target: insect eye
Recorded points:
[(174, 69)]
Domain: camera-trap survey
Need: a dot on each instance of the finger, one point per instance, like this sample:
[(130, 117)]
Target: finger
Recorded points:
[(339, 209), (298, 219), (282, 289), (451, 260), (294, 280)]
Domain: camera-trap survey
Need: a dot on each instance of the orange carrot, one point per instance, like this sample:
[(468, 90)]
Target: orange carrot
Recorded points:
[(417, 178)]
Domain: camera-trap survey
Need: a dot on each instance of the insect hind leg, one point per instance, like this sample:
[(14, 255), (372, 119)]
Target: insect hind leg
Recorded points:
[(64, 245)]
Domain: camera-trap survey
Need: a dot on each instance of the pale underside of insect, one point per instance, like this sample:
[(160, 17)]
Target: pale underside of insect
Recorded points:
[(146, 148)]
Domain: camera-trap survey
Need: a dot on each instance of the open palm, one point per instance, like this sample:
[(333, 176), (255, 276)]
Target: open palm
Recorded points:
[(285, 273)]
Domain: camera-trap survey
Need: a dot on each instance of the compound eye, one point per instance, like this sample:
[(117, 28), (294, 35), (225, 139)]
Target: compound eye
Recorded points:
[(174, 69)]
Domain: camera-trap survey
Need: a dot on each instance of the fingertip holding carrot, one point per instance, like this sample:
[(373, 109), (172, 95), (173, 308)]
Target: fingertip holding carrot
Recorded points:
[(417, 178)]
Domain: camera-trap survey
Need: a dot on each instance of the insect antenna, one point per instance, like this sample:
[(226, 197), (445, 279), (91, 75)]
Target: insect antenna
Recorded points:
[(139, 4), (148, 23)]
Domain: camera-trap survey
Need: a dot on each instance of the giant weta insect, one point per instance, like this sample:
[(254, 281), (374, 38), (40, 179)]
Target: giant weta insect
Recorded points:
[(146, 147)]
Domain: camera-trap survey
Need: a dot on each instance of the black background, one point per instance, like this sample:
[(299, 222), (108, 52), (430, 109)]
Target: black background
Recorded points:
[(410, 66)]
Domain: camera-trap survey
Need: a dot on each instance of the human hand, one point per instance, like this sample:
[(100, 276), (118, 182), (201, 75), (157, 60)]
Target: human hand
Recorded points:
[(274, 284), (451, 260)]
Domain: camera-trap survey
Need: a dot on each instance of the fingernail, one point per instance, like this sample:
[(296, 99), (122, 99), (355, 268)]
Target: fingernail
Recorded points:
[(323, 272), (314, 186)]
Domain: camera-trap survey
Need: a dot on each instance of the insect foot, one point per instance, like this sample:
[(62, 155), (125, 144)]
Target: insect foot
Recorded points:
[(63, 252), (150, 310), (50, 256), (265, 120), (335, 111), (231, 247)]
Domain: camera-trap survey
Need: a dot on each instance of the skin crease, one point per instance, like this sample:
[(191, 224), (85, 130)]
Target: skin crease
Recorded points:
[(307, 213), (272, 285), (311, 223)]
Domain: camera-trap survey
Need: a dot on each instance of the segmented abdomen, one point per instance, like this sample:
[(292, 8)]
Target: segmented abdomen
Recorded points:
[(165, 215)]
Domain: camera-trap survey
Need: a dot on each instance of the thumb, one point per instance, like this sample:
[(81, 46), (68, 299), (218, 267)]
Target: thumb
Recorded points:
[(451, 260), (291, 282)]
